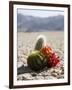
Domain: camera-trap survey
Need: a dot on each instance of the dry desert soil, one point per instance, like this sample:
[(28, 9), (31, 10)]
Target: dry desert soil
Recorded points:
[(25, 44)]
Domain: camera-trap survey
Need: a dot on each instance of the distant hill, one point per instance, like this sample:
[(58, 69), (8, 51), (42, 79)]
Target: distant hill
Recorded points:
[(33, 24)]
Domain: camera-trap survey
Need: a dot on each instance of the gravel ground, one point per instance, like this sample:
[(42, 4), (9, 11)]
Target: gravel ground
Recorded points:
[(26, 43)]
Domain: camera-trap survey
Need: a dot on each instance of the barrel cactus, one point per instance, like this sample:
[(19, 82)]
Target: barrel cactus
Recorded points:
[(36, 61)]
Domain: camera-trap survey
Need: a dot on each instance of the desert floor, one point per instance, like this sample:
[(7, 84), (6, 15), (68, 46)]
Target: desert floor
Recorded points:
[(25, 44)]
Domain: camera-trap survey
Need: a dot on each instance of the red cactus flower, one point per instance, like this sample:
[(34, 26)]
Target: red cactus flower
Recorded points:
[(53, 60)]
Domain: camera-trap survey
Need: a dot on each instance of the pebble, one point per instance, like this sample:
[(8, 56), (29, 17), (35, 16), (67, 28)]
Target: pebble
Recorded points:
[(27, 76), (39, 78), (49, 77), (19, 64), (24, 60), (54, 74)]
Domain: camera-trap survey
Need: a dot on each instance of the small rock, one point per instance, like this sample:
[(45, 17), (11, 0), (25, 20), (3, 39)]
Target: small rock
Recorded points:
[(39, 78), (60, 76), (24, 60), (19, 64), (50, 77), (54, 74), (27, 76)]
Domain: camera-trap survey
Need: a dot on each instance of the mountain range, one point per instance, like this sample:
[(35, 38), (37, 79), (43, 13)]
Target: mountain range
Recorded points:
[(35, 24)]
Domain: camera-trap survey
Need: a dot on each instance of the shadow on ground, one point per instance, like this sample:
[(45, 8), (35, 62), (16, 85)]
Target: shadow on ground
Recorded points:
[(23, 69)]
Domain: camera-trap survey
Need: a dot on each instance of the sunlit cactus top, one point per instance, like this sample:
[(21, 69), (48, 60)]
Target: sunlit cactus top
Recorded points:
[(40, 42)]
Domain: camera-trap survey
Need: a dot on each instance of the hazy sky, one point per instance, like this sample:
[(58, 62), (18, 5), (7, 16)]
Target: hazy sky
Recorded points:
[(40, 13)]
